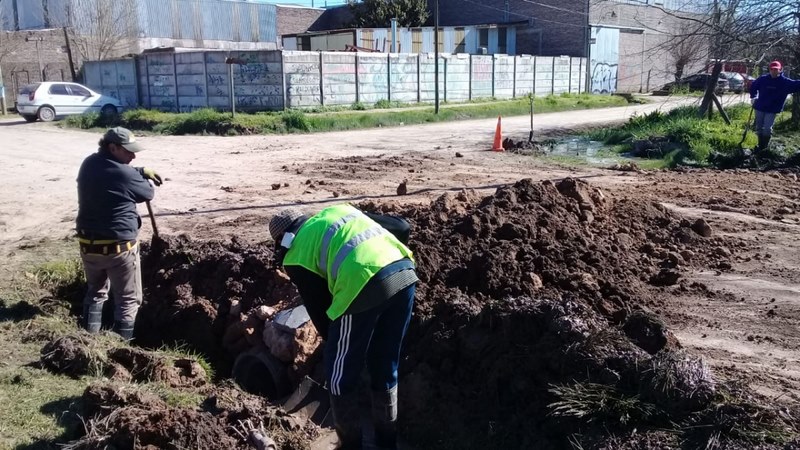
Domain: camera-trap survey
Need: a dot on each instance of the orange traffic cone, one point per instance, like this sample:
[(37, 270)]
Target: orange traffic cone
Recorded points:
[(498, 137)]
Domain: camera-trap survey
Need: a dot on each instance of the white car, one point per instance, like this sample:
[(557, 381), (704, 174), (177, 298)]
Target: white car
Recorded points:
[(50, 99)]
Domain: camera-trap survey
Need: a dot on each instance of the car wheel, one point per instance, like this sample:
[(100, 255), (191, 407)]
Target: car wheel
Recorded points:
[(47, 114), (29, 117), (108, 111)]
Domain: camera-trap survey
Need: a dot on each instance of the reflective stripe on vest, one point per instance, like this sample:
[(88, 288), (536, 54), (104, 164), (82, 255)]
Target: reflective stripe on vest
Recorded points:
[(329, 233), (345, 248), (351, 245)]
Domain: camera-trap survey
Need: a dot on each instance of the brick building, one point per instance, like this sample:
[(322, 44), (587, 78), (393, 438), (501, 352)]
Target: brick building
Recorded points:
[(627, 40), (26, 56)]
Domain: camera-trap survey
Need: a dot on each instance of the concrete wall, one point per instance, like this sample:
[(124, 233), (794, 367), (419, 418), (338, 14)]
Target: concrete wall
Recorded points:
[(268, 80)]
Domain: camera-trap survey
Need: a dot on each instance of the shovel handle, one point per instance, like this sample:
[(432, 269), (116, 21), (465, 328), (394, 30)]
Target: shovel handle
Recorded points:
[(152, 218)]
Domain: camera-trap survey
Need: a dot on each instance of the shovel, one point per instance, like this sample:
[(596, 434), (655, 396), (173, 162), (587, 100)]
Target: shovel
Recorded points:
[(157, 244), (152, 219), (747, 127)]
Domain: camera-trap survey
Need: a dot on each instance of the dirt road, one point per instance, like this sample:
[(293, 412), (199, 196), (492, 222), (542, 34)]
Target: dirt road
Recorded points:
[(219, 187), (217, 178)]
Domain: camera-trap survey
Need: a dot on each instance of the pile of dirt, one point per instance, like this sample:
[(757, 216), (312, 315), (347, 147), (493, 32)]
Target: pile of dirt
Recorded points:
[(195, 292), (531, 326), (524, 147)]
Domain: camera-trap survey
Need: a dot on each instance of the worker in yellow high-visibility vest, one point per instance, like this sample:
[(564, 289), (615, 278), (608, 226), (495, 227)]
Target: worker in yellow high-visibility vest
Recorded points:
[(357, 280)]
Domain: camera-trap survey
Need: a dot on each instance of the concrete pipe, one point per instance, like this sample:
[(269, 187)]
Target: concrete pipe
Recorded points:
[(258, 372)]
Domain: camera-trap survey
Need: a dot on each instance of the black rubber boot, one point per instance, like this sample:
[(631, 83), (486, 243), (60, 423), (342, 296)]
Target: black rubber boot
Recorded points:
[(93, 317), (347, 421), (384, 418), (124, 329), (765, 145)]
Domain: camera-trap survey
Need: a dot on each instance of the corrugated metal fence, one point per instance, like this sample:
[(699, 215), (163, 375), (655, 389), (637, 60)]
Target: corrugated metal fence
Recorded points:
[(224, 20), (275, 80)]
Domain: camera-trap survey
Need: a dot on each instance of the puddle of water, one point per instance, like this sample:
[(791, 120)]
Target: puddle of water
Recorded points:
[(594, 152)]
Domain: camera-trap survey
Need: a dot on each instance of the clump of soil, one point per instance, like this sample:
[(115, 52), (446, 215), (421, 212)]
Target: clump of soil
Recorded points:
[(524, 147), (121, 417), (190, 287), (71, 355), (79, 355)]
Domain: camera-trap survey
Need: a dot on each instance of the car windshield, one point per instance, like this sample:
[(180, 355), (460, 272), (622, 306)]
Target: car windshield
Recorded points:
[(25, 90)]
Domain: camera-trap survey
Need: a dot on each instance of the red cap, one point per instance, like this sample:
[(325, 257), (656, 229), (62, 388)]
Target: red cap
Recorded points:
[(775, 65)]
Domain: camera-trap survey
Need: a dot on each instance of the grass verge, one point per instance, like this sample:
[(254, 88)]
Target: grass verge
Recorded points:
[(39, 409), (209, 121), (679, 137)]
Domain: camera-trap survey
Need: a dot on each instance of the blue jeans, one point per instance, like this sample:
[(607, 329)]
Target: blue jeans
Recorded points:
[(373, 336), (764, 123)]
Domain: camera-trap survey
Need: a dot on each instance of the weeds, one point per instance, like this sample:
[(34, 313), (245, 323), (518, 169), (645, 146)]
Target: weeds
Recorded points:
[(679, 137), (184, 351), (592, 402), (210, 121), (56, 275)]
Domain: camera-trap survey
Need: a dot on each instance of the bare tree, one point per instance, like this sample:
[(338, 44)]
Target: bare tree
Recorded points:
[(102, 29), (687, 47)]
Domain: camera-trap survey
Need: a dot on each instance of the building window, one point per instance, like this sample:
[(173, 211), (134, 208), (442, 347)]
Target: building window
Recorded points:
[(502, 39), (305, 43), (483, 38), (460, 41), (416, 40)]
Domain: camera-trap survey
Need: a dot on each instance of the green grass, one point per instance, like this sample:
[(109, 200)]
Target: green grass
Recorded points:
[(209, 121), (680, 137), (39, 409)]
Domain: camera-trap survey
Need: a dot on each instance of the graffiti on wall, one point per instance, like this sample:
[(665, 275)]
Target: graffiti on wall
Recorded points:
[(605, 60)]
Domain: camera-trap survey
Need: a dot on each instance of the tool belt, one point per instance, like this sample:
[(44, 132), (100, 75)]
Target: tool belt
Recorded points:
[(105, 247)]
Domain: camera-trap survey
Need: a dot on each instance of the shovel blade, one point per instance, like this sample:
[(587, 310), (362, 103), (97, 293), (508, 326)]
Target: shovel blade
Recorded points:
[(309, 402)]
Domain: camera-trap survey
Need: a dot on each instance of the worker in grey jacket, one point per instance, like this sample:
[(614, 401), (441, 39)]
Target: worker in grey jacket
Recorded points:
[(108, 226)]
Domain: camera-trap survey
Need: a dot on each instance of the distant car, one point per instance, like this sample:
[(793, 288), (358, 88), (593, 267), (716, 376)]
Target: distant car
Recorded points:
[(50, 99), (697, 82), (736, 81)]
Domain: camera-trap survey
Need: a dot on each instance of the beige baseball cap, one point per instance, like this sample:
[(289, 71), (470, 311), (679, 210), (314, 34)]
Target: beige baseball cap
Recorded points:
[(123, 137)]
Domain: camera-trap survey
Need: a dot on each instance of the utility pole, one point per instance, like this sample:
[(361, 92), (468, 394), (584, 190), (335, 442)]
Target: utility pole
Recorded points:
[(588, 48), (69, 55), (2, 94), (436, 57), (36, 40)]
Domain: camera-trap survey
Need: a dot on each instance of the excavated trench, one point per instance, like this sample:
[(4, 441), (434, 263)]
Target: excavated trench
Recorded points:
[(531, 318)]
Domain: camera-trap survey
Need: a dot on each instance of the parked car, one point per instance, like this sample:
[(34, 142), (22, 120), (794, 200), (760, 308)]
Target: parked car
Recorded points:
[(697, 82), (50, 99), (736, 81)]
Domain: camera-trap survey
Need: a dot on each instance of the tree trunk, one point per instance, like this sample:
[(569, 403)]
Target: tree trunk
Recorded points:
[(796, 111), (710, 88)]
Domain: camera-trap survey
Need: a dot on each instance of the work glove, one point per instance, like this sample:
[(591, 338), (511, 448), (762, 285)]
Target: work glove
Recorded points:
[(151, 174)]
